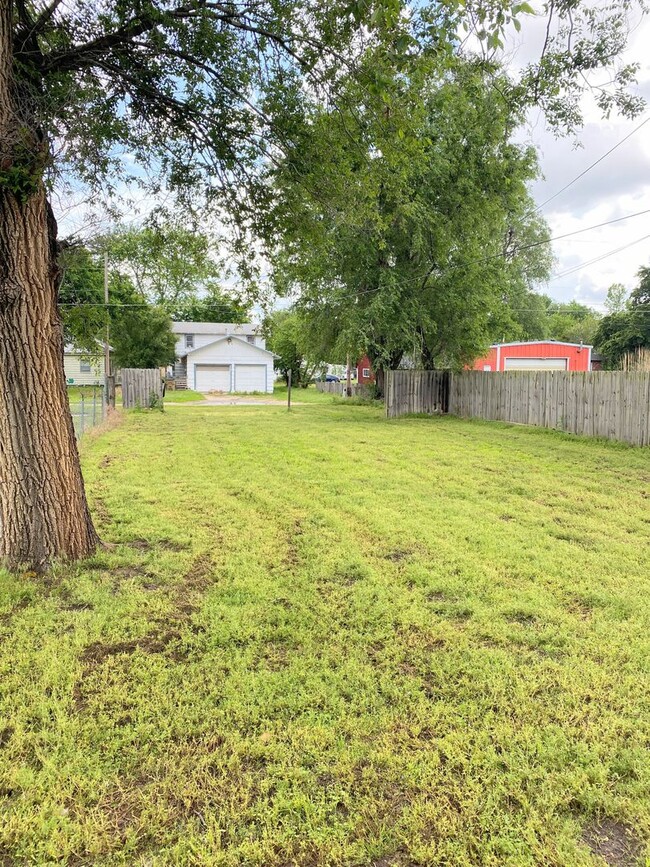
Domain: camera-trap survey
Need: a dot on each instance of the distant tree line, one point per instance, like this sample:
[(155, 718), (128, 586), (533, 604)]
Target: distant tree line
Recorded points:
[(155, 275)]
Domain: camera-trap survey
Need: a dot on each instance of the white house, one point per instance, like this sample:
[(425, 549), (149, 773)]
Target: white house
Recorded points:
[(80, 369), (222, 356)]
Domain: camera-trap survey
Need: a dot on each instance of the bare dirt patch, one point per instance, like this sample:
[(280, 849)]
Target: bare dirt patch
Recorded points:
[(100, 511), (614, 842), (398, 556), (141, 544), (292, 556)]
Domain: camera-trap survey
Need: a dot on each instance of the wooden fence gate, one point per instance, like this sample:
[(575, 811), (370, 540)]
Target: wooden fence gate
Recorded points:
[(141, 388)]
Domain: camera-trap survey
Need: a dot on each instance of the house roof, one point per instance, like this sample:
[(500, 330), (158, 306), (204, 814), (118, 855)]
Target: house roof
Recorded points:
[(228, 337), (69, 349), (538, 342), (214, 328)]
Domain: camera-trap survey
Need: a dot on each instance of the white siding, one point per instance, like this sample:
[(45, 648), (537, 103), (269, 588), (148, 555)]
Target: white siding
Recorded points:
[(237, 352), (250, 377), (72, 365), (207, 332), (212, 377)]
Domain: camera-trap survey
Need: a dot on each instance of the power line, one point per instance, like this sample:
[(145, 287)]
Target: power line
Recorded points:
[(590, 167), (588, 229), (539, 244), (598, 258), (459, 266)]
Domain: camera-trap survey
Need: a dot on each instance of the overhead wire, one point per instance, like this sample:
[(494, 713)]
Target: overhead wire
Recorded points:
[(593, 165)]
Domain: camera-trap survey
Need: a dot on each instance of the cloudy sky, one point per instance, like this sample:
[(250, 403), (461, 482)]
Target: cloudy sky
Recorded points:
[(616, 187)]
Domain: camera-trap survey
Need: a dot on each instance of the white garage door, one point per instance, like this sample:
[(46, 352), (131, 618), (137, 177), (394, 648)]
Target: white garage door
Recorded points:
[(250, 377), (212, 377), (535, 363)]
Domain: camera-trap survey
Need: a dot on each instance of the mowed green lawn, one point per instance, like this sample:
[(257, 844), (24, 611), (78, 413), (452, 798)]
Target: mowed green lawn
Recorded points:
[(324, 638)]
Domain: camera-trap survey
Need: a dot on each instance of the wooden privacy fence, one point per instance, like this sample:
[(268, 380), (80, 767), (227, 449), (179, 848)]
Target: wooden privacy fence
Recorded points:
[(141, 387), (417, 391), (610, 404)]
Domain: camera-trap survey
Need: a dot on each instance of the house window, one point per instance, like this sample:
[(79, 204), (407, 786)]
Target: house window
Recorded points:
[(84, 367), (250, 338), (189, 341), (487, 367), (365, 373)]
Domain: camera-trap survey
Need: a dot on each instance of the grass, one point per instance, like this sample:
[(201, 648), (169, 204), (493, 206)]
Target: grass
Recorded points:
[(76, 392), (324, 638), (183, 396), (302, 395)]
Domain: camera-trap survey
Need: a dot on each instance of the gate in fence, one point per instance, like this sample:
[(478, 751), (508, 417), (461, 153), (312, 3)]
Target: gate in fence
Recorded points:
[(142, 388)]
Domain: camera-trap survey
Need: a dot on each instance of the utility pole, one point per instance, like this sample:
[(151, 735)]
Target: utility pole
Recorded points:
[(109, 387), (348, 389), (289, 390)]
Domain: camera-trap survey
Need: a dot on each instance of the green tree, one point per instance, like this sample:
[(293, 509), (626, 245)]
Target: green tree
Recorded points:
[(287, 337), (170, 264), (629, 329), (212, 306), (572, 322), (615, 301), (81, 299), (142, 337), (419, 248), (140, 333)]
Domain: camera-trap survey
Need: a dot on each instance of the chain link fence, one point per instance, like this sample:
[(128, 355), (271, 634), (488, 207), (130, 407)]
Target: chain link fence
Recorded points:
[(88, 407)]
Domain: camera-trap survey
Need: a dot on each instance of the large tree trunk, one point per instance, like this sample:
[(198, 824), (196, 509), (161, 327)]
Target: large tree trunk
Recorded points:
[(43, 510)]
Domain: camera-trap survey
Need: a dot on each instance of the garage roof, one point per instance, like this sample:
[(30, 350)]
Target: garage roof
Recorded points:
[(229, 337)]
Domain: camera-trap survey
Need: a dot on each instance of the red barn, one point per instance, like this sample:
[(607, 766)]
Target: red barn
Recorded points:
[(365, 376), (536, 355)]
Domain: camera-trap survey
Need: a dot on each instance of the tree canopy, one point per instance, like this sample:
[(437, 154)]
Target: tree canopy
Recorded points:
[(142, 337), (170, 264), (626, 330), (287, 337), (140, 332), (416, 248)]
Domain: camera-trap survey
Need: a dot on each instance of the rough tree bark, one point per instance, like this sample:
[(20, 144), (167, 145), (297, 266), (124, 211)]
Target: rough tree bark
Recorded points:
[(43, 509)]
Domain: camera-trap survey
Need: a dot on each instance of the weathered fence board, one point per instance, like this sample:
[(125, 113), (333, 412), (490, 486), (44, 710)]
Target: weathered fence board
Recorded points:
[(141, 387), (612, 404), (417, 391)]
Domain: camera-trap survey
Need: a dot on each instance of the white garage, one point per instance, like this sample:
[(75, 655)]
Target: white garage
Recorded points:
[(230, 364), (212, 377), (250, 377), (536, 363)]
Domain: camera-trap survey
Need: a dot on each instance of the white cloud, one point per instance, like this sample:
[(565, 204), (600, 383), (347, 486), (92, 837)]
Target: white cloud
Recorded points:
[(617, 186)]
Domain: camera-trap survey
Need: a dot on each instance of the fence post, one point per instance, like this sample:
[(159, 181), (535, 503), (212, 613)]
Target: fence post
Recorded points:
[(109, 391)]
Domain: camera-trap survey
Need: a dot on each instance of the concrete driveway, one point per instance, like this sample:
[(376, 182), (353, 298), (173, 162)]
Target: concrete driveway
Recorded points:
[(232, 400)]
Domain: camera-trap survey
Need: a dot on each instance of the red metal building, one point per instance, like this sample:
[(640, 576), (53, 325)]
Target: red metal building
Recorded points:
[(536, 355), (365, 376)]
